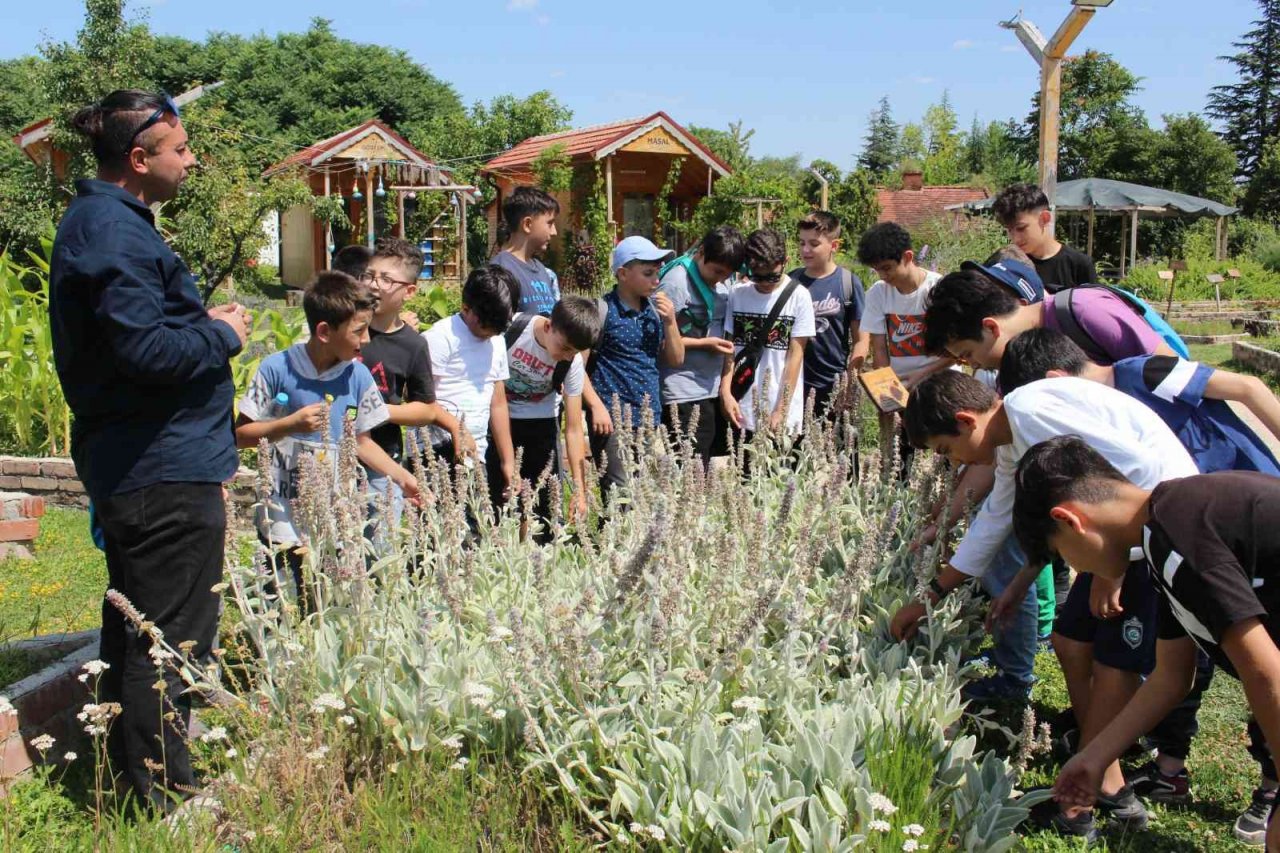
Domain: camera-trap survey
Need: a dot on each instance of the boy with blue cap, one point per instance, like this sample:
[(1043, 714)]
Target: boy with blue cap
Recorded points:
[(639, 328)]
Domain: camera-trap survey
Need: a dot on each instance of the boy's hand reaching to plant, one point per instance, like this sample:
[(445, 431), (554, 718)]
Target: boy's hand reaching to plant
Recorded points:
[(308, 418)]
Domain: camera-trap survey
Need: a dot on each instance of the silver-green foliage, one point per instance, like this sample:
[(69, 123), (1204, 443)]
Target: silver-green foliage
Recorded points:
[(709, 667)]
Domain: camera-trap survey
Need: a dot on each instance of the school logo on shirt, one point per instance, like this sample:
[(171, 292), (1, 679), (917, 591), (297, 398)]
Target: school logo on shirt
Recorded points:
[(1131, 632), (905, 334)]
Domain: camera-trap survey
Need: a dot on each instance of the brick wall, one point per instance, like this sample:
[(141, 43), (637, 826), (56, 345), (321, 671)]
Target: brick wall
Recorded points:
[(55, 480), (1256, 358)]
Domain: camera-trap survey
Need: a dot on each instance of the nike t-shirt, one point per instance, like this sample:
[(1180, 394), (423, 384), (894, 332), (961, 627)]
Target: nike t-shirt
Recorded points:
[(900, 318)]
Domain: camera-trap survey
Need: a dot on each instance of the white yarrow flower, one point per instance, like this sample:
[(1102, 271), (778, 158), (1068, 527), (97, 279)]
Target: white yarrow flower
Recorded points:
[(879, 825), (6, 707), (214, 734), (911, 845), (316, 754), (96, 667), (881, 803), (453, 743), (915, 830), (43, 743), (69, 756), (479, 695), (460, 764), (327, 702), (347, 720), (231, 753), (498, 713), (751, 704)]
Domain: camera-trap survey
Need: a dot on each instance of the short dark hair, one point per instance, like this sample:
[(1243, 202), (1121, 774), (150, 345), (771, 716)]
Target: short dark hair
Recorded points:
[(765, 249), (352, 260), (887, 241), (526, 201), (1009, 252), (1032, 354), (112, 122), (1061, 469), (401, 250), (578, 318), (1018, 198), (724, 245), (822, 221), (492, 293), (334, 298), (957, 306), (933, 405)]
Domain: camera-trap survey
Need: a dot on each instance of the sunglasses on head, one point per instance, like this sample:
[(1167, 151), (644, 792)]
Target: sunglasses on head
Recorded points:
[(766, 277), (168, 108)]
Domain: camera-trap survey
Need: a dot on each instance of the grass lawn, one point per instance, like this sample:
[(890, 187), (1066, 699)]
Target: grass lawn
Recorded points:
[(60, 590)]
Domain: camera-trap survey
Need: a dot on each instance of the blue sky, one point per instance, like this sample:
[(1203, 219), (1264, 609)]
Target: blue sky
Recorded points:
[(805, 78)]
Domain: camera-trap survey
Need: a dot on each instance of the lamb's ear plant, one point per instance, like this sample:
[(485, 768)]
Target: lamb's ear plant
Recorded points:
[(706, 664)]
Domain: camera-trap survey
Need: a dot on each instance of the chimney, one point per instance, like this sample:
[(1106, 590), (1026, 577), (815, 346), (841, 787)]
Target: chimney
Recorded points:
[(913, 181)]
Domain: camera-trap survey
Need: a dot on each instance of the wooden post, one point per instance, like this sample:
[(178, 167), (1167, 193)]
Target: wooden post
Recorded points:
[(368, 208), (1124, 242), (399, 214), (1050, 123), (608, 189), (328, 229), (759, 215), (710, 172), (1093, 216), (1133, 241), (462, 237)]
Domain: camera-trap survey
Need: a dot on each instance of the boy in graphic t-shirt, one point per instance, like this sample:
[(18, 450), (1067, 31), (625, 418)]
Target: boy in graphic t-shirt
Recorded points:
[(780, 368), (545, 366), (1212, 549), (837, 308), (1023, 210), (530, 218)]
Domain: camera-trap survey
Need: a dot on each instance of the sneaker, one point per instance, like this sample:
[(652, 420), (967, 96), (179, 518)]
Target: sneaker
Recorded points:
[(1124, 807), (1251, 827), (996, 688), (1047, 815), (1150, 783)]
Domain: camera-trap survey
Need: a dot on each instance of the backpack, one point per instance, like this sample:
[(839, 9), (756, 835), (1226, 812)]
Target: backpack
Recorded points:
[(1066, 317)]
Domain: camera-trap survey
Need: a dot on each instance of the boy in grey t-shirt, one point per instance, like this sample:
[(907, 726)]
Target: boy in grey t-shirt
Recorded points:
[(697, 285)]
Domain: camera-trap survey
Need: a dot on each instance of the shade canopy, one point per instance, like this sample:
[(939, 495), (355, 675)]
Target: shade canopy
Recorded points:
[(1102, 195)]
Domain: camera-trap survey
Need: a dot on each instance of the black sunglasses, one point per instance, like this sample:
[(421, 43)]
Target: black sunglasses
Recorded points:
[(168, 108), (766, 277)]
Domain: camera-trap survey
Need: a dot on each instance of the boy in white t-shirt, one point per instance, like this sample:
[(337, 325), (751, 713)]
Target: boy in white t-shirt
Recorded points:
[(781, 361), (545, 365), (469, 364)]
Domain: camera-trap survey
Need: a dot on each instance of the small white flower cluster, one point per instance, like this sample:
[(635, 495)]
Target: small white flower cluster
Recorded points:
[(880, 825), (43, 743), (453, 743), (498, 714), (881, 803), (97, 716), (160, 655), (915, 830), (479, 695), (6, 708), (94, 668), (69, 756), (651, 831), (347, 720), (317, 754), (460, 764), (499, 634), (214, 734), (911, 845), (327, 702), (750, 704)]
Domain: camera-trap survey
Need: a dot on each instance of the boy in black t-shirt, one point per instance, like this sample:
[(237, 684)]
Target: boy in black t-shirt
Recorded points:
[(1023, 210), (1212, 545), (399, 360)]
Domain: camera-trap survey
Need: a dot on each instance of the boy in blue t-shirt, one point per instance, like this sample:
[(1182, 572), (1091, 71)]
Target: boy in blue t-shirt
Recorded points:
[(639, 329), (286, 404), (1191, 399)]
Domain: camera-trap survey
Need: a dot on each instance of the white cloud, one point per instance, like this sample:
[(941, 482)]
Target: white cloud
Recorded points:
[(521, 5), (962, 44)]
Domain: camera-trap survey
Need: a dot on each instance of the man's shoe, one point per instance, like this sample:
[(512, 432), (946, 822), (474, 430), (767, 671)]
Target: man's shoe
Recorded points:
[(1251, 827), (1047, 815), (996, 688), (1150, 783), (1124, 807)]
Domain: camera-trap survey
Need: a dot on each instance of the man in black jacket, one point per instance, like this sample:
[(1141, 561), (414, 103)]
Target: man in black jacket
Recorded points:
[(145, 370)]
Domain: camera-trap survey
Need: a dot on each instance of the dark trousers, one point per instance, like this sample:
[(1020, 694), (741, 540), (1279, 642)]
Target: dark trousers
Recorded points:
[(1172, 735), (534, 440), (164, 547), (606, 453), (704, 437)]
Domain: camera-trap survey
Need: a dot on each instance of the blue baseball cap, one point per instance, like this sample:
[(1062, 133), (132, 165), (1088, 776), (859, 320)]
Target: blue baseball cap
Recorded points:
[(637, 248), (1023, 280)]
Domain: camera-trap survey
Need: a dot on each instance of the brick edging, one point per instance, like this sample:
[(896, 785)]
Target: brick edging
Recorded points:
[(1256, 357), (54, 479)]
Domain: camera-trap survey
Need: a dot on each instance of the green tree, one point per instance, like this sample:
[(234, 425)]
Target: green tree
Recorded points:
[(881, 144), (1249, 109), (912, 148), (854, 201), (1190, 158), (733, 146), (944, 156)]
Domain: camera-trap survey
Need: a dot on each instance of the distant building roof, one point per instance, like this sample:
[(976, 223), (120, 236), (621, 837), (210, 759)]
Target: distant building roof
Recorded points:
[(913, 207), (314, 155), (598, 142)]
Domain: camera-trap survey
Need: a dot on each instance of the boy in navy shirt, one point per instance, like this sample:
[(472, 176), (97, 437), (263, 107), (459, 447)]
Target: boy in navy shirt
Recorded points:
[(530, 218), (837, 308), (286, 404), (640, 329)]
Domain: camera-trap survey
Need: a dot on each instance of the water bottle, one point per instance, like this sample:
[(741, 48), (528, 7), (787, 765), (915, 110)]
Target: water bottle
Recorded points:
[(281, 406)]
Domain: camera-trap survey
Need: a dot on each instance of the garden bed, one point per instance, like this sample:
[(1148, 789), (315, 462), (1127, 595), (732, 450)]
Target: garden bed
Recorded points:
[(1260, 356)]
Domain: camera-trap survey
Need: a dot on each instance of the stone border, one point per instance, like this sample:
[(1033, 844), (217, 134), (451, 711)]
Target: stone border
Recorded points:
[(47, 703), (1214, 339), (1256, 358), (55, 480)]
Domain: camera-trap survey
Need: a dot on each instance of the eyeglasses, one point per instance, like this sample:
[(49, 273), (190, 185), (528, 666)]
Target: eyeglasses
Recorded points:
[(383, 279), (169, 108), (765, 277)]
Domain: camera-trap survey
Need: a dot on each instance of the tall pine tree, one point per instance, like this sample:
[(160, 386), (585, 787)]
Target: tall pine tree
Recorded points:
[(1250, 108), (880, 148)]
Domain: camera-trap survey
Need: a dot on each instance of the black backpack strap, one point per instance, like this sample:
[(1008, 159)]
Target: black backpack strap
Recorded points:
[(519, 323), (559, 374), (1066, 317)]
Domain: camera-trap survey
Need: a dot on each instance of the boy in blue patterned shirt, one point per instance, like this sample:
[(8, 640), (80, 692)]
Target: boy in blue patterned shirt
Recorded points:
[(639, 328)]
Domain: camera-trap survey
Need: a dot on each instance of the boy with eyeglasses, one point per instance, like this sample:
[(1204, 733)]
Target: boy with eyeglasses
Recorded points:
[(400, 361)]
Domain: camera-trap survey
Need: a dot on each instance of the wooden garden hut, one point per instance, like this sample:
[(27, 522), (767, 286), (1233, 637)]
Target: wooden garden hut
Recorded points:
[(371, 168), (634, 157)]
